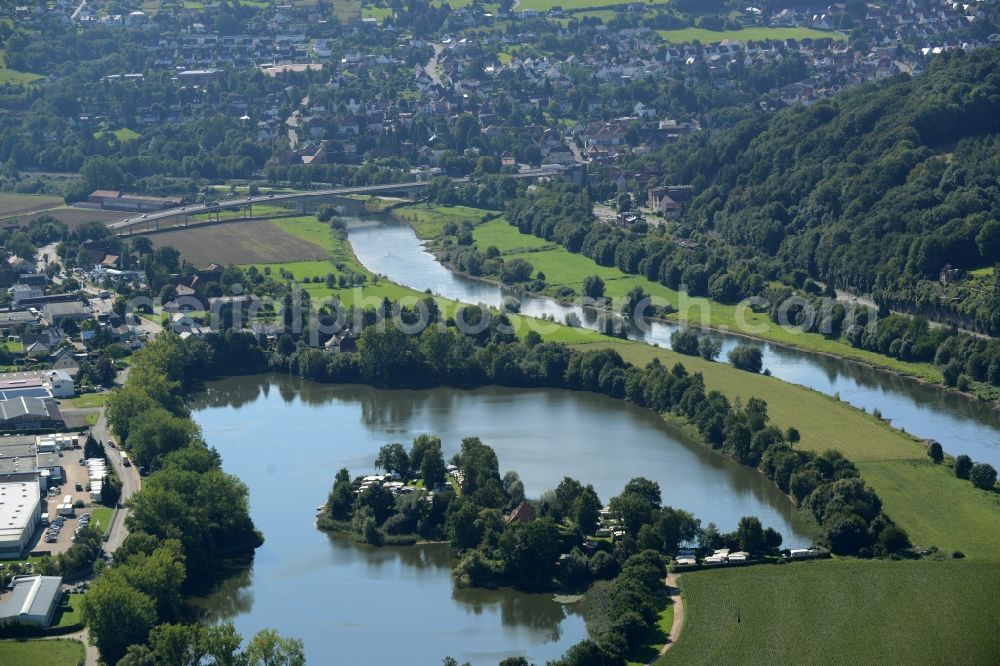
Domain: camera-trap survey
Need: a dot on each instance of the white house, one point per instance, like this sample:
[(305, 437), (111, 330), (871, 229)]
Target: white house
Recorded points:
[(59, 383)]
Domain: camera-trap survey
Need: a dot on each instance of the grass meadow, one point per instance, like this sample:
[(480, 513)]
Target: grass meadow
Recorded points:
[(62, 652), (841, 612), (753, 34), (11, 76)]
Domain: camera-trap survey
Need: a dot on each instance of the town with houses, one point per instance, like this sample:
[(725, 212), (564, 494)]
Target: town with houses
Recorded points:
[(375, 91)]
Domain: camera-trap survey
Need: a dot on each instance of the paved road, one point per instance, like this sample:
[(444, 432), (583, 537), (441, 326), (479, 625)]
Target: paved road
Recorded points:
[(131, 482), (433, 66), (79, 8)]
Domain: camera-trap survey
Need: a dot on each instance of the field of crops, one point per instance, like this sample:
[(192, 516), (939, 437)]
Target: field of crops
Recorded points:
[(755, 34), (841, 612), (249, 242), (17, 204), (932, 505)]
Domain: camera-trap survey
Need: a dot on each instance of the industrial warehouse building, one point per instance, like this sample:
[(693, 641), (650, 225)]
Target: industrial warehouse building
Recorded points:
[(30, 414), (31, 600), (115, 200), (20, 514)]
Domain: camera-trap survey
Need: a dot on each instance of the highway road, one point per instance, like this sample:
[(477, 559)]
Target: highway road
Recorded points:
[(194, 209)]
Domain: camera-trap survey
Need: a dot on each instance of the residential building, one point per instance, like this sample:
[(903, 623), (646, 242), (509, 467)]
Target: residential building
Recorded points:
[(524, 513)]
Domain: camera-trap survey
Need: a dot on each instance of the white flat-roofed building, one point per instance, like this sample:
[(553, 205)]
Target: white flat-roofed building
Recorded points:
[(20, 514)]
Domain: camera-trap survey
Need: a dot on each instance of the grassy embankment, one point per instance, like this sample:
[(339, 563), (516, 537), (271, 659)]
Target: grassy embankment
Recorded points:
[(62, 652), (565, 269), (841, 612)]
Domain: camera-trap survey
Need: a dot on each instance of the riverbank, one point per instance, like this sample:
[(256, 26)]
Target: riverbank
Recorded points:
[(926, 499), (563, 269)]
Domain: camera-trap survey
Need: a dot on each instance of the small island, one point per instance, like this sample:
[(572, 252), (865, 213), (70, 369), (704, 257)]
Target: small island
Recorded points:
[(567, 541)]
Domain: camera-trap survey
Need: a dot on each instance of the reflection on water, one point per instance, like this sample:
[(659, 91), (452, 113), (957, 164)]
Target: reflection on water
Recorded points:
[(961, 425), (286, 438)]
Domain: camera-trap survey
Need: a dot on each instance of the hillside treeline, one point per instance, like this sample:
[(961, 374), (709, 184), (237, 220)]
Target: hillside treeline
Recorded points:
[(874, 190)]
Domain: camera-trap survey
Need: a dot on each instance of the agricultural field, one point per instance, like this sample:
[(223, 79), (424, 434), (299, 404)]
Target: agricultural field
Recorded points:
[(841, 611), (565, 269), (754, 34), (247, 242), (21, 204), (933, 506), (74, 217), (62, 652)]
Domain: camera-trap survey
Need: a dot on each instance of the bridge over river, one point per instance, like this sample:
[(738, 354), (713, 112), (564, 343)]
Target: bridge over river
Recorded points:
[(212, 211)]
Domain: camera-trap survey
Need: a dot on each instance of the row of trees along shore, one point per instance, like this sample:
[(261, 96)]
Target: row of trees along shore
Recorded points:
[(186, 522)]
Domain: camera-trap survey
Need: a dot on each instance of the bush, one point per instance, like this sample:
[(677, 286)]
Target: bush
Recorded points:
[(963, 466), (983, 476), (515, 270), (685, 341), (747, 357), (935, 452)]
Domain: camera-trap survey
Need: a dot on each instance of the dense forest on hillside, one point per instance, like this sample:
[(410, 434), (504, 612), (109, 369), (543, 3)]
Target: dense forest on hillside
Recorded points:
[(876, 189)]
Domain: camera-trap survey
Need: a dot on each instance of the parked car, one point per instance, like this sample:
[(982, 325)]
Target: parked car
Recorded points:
[(79, 486)]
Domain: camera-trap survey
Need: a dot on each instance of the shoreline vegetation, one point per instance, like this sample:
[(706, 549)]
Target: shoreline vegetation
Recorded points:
[(431, 224)]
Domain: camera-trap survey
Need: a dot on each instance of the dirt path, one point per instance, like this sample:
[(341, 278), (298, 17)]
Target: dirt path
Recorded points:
[(675, 627)]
